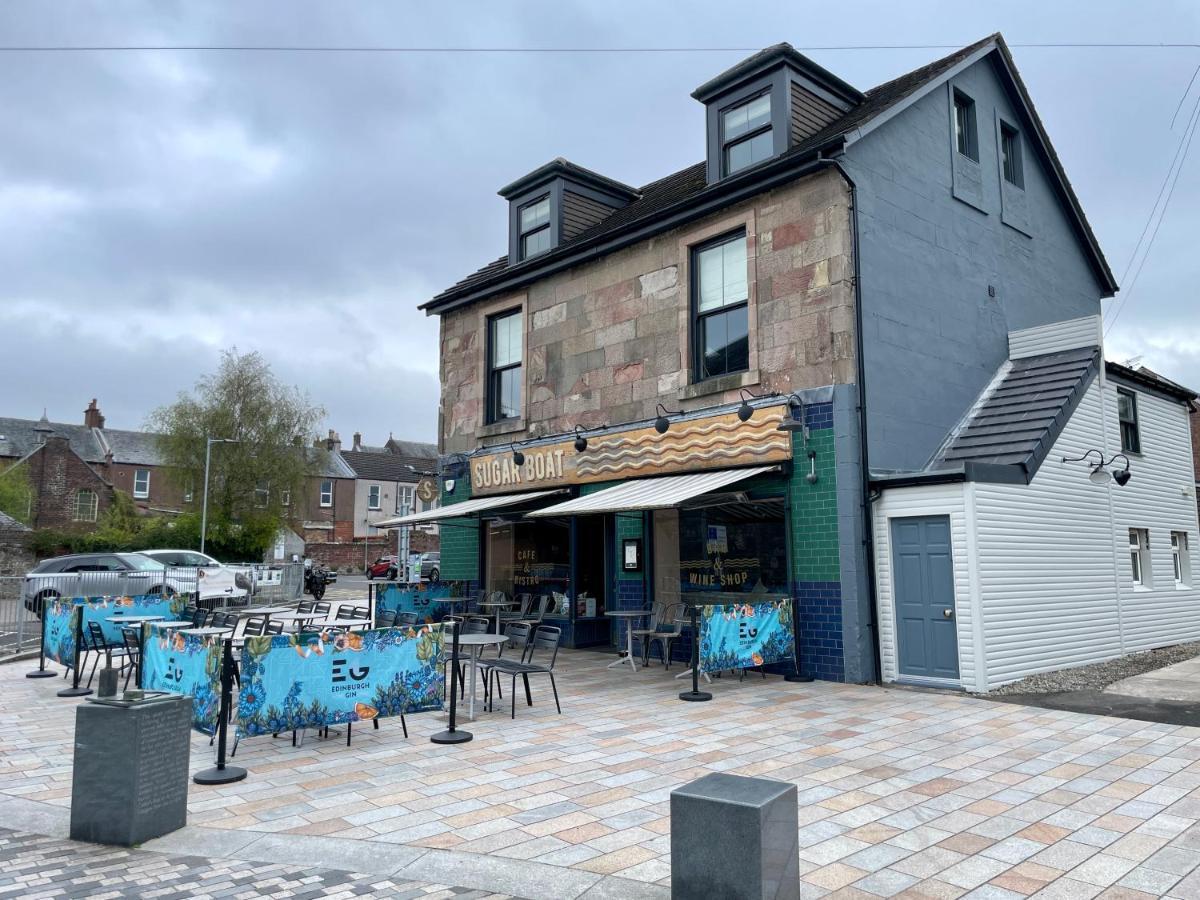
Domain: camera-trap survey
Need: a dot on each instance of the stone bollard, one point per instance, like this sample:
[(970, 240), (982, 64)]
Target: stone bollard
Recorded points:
[(734, 838)]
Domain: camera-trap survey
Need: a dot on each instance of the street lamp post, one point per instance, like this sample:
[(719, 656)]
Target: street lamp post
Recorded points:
[(204, 504)]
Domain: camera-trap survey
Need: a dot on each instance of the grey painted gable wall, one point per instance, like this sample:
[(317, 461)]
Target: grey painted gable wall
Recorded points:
[(932, 336)]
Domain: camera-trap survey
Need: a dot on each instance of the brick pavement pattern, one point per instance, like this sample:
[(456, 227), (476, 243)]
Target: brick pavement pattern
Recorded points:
[(902, 792), (34, 866)]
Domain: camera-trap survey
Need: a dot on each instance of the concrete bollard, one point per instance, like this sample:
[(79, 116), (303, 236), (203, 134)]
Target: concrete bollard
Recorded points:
[(734, 838)]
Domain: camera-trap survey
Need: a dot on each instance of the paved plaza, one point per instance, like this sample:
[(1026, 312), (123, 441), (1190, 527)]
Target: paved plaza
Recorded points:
[(902, 792)]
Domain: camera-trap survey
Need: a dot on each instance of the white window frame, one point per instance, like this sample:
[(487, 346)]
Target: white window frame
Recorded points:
[(141, 493), (326, 497), (404, 499), (1181, 560), (93, 513), (1139, 559), (285, 498), (374, 497), (262, 494)]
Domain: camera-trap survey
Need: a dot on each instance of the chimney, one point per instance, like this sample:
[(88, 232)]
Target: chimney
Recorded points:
[(357, 440), (92, 417), (333, 443)]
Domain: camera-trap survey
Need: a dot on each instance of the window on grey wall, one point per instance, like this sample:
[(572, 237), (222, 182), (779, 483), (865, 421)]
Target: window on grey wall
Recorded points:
[(720, 307), (504, 366), (1010, 155), (373, 497), (746, 136), (535, 227), (326, 493), (1127, 414), (966, 135)]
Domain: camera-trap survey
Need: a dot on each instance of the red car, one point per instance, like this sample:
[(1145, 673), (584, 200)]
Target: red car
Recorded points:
[(384, 567)]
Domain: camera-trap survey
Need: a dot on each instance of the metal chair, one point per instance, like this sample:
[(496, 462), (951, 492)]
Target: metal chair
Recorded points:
[(255, 626), (666, 629), (132, 638), (305, 606), (520, 614), (322, 608), (385, 619), (200, 617), (274, 628), (97, 643), (345, 611), (545, 639), (406, 619)]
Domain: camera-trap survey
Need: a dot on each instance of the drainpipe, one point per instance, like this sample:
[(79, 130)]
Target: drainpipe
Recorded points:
[(868, 526)]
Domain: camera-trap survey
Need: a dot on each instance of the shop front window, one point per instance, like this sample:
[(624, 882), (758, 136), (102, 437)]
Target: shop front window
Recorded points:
[(529, 558), (738, 549)]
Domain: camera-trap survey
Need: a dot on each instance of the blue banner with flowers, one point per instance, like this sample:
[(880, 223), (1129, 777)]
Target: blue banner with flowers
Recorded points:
[(59, 630), (310, 680), (185, 664), (742, 635), (108, 611), (412, 598)]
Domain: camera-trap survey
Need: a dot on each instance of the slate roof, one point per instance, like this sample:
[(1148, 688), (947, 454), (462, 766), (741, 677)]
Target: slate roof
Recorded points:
[(8, 523), (328, 463), (689, 186), (387, 466), (1018, 423), (138, 448), (20, 437)]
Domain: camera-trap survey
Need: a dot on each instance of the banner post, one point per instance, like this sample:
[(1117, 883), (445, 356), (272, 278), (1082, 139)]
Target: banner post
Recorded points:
[(41, 671), (695, 695), (221, 773), (75, 690), (450, 735)]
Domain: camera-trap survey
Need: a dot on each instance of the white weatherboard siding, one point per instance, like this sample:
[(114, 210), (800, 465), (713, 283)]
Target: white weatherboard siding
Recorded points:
[(1055, 337), (1043, 569), (934, 500)]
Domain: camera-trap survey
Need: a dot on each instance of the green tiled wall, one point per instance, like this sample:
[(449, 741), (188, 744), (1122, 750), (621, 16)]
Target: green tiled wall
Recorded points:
[(814, 510), (460, 545)]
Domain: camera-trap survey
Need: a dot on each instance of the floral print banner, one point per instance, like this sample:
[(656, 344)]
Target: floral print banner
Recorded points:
[(412, 599), (185, 664), (742, 635), (310, 680), (58, 631)]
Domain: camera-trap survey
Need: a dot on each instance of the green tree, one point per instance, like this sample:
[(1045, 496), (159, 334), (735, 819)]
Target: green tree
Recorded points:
[(270, 422), (16, 493)]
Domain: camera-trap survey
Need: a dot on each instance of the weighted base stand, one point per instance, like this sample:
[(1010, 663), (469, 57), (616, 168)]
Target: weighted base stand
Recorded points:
[(695, 695), (74, 692), (796, 676), (40, 673), (452, 735), (221, 773)]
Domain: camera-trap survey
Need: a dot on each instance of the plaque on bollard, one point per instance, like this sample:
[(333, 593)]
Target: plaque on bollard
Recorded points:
[(130, 780)]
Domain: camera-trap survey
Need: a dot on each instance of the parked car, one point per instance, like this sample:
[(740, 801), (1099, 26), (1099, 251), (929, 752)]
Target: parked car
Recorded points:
[(214, 574), (385, 567), (430, 566), (102, 574)]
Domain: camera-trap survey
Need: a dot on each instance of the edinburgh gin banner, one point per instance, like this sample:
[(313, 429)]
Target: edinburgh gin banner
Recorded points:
[(310, 680), (742, 635), (185, 664), (408, 599), (59, 629)]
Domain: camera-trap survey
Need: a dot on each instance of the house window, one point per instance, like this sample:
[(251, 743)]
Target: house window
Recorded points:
[(404, 500), (1180, 558), (262, 494), (504, 366), (141, 483), (373, 497), (327, 493), (188, 492), (1139, 556), (86, 505), (285, 498), (534, 227), (746, 136), (720, 308), (1010, 155), (966, 138), (1131, 438)]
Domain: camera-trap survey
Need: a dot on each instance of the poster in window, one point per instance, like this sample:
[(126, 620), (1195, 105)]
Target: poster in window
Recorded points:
[(631, 555)]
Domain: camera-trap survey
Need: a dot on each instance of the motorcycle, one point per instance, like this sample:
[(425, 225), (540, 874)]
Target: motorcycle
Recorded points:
[(315, 580)]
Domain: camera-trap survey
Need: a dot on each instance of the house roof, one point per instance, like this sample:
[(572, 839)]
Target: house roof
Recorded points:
[(8, 523), (1150, 379), (663, 201), (138, 448), (328, 463), (1009, 433), (20, 437), (386, 466)]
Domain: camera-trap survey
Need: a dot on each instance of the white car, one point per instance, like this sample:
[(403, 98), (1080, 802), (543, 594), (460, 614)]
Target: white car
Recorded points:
[(215, 578)]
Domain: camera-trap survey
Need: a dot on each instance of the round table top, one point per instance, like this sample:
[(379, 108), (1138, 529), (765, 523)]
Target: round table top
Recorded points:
[(480, 640), (134, 618), (627, 613), (209, 629), (175, 624), (298, 615), (448, 599), (497, 602), (259, 610), (343, 623)]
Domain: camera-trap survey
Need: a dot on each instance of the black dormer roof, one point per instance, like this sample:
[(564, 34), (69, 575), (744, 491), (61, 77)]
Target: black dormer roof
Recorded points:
[(769, 58), (564, 168)]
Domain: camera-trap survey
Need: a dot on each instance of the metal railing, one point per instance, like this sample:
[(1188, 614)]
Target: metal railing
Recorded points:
[(21, 596)]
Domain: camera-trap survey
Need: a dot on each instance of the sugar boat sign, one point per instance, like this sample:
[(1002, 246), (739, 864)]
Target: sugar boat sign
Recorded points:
[(712, 442)]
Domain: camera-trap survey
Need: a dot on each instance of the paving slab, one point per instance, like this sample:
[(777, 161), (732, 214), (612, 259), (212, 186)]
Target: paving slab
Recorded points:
[(1179, 683)]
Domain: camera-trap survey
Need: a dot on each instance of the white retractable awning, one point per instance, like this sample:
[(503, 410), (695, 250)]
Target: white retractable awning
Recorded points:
[(466, 508), (665, 492)]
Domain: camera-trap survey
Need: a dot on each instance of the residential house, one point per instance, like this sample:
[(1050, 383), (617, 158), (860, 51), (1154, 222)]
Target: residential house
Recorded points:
[(851, 358), (390, 480)]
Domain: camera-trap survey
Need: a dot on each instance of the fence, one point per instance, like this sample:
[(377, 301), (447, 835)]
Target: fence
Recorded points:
[(20, 597)]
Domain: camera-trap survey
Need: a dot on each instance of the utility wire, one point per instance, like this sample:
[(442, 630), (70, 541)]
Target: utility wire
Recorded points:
[(318, 48)]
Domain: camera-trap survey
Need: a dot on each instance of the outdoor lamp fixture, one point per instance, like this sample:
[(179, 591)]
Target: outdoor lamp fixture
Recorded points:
[(1100, 472), (811, 477), (795, 420), (204, 505), (662, 423), (518, 456), (580, 440), (745, 411)]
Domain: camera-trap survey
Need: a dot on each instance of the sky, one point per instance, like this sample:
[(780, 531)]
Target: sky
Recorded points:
[(158, 207)]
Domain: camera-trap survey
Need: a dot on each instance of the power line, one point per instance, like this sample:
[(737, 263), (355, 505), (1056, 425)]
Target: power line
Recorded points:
[(316, 48)]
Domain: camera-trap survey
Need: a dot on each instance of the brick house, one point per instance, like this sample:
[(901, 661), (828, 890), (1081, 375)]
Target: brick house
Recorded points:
[(823, 365)]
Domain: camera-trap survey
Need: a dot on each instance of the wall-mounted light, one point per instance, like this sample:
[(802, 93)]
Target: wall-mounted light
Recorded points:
[(745, 411), (794, 420), (580, 440), (811, 477), (1100, 467), (518, 456), (662, 423)]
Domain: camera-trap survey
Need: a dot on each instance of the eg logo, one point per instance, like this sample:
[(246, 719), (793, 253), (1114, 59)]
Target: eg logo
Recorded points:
[(340, 672), (746, 631), (173, 673)]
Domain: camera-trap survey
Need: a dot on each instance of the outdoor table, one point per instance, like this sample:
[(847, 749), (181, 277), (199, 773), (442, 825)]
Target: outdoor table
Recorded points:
[(499, 604), (297, 617), (175, 624), (342, 623), (450, 600), (257, 610), (476, 642), (629, 615), (134, 618), (206, 630), (687, 621)]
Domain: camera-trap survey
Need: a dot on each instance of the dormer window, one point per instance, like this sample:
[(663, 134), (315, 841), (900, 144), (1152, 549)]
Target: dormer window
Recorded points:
[(535, 227), (747, 136)]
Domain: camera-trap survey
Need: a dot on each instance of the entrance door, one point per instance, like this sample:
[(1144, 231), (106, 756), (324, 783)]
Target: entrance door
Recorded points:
[(923, 576)]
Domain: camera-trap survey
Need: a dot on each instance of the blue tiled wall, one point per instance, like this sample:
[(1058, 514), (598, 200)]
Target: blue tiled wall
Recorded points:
[(819, 608)]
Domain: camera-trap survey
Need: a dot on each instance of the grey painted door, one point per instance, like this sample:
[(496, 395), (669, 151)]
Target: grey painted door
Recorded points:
[(923, 575)]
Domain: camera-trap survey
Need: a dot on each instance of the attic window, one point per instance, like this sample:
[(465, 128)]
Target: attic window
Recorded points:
[(966, 137), (535, 227), (746, 136), (1010, 155)]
